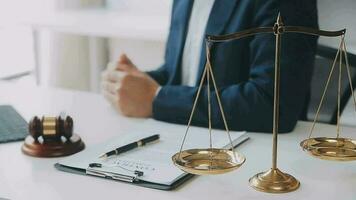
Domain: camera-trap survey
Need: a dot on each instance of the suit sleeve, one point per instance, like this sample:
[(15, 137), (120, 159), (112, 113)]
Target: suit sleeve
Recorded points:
[(249, 105), (160, 75)]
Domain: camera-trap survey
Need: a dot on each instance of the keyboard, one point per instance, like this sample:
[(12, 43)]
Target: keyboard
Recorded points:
[(12, 126)]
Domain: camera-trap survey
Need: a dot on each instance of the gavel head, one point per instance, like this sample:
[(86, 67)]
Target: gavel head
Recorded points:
[(51, 128), (67, 127), (35, 127)]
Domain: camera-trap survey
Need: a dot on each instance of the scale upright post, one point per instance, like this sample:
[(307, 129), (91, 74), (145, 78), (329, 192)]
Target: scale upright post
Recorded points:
[(274, 180)]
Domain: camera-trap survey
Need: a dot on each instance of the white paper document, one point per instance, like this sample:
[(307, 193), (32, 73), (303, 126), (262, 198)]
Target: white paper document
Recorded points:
[(153, 159)]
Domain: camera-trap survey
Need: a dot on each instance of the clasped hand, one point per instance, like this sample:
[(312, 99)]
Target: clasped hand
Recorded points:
[(128, 89)]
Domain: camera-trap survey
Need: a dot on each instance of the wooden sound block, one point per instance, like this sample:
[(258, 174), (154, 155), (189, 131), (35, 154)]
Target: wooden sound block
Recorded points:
[(55, 148)]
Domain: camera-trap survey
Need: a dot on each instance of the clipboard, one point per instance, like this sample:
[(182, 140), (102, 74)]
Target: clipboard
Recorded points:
[(141, 183), (160, 173)]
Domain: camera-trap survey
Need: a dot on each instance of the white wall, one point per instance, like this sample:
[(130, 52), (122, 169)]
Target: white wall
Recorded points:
[(338, 14), (69, 61), (16, 41), (14, 60), (64, 59), (146, 55)]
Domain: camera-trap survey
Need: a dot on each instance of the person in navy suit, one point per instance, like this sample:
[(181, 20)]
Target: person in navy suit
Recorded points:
[(243, 69)]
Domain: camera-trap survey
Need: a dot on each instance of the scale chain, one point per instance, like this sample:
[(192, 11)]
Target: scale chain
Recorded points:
[(193, 109), (219, 101), (339, 91), (324, 92), (209, 104), (207, 73)]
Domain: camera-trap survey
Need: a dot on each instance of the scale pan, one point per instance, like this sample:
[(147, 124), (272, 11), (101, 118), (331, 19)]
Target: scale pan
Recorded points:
[(338, 149), (208, 161)]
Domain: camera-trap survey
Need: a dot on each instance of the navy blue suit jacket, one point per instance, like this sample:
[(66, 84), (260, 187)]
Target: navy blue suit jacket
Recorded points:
[(244, 69)]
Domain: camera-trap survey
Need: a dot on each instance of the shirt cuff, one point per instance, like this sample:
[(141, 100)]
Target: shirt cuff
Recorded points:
[(157, 91)]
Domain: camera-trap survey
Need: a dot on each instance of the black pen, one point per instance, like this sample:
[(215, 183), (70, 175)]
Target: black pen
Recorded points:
[(130, 146)]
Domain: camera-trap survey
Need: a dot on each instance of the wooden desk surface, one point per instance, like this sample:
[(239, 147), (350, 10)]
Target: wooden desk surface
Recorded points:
[(23, 177)]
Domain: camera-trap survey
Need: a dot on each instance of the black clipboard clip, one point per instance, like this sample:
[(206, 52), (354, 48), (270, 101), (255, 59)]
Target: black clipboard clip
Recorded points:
[(94, 169)]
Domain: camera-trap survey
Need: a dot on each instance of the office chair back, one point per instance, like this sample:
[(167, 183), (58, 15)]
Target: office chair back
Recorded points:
[(323, 62)]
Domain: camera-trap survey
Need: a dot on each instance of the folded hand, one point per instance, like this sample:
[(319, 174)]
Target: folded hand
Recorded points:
[(128, 89)]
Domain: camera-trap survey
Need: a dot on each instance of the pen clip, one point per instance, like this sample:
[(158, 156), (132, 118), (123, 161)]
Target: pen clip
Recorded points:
[(95, 171)]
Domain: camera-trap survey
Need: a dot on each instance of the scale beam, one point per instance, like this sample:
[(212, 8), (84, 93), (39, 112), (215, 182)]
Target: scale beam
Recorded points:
[(281, 29)]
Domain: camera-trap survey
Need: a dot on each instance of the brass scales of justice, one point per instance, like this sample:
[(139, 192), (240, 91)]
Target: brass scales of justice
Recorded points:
[(219, 160)]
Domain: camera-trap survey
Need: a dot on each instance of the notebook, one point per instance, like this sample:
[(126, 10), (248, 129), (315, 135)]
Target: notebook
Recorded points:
[(12, 126), (154, 160)]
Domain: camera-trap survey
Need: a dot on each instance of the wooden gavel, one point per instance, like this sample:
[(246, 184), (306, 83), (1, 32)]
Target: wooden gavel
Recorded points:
[(51, 137)]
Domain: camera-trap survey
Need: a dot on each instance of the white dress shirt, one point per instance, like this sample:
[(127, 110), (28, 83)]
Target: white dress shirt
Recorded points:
[(193, 43)]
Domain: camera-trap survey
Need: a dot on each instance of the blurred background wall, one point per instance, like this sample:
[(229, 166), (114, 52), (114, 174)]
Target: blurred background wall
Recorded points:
[(69, 42), (334, 15)]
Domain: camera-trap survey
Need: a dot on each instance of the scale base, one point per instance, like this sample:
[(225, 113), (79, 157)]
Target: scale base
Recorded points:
[(274, 181)]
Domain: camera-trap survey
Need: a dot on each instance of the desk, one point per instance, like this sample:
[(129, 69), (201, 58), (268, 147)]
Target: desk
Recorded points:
[(24, 177)]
